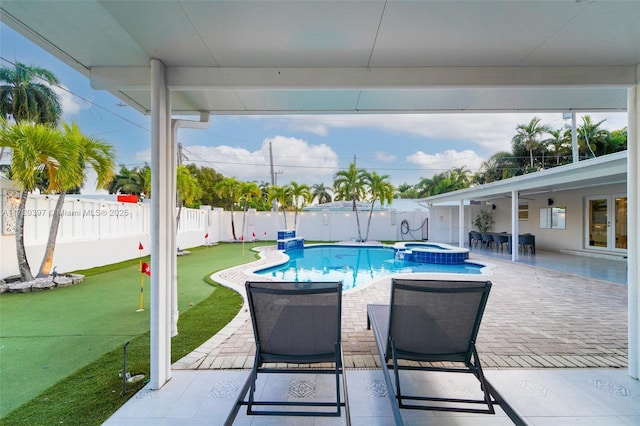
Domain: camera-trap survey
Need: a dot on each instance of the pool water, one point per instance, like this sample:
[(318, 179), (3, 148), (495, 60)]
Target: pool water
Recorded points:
[(353, 265)]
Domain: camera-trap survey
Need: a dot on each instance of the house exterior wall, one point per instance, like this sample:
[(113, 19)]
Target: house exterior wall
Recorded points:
[(445, 218)]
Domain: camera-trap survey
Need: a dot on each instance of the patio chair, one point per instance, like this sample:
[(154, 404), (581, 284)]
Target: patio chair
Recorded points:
[(295, 323), (476, 238), (527, 242), (429, 322), (501, 241), (487, 239)]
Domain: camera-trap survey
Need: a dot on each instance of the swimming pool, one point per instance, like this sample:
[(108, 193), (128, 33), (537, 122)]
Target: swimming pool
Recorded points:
[(354, 265)]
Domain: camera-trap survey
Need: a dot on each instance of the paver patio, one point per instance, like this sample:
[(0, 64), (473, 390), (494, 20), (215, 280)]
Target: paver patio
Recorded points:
[(535, 318)]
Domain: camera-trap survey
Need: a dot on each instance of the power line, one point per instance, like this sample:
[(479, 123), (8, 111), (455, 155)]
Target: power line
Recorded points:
[(90, 102)]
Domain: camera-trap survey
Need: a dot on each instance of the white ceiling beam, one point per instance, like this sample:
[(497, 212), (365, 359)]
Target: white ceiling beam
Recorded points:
[(211, 78)]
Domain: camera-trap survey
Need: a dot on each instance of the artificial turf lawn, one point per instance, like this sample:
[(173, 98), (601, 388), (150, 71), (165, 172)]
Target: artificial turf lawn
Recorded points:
[(46, 336)]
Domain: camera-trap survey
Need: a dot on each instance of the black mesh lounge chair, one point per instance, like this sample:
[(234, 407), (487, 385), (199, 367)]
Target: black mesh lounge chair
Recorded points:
[(295, 323), (433, 321)]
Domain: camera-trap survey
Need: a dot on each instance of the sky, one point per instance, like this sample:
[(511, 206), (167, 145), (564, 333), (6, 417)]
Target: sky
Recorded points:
[(307, 149)]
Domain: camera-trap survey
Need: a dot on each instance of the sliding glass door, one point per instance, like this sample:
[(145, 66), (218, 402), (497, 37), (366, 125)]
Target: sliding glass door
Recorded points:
[(606, 224)]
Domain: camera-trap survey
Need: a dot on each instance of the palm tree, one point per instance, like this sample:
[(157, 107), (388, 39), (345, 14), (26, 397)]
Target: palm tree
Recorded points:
[(26, 95), (250, 191), (187, 189), (592, 136), (229, 191), (92, 152), (460, 177), (321, 193), (500, 165), (282, 194), (132, 181), (299, 194), (407, 191), (349, 185), (37, 147), (557, 143), (379, 189), (528, 135)]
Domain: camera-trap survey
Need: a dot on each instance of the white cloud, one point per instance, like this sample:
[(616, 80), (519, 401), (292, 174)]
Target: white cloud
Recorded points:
[(294, 160), (385, 157), (69, 103), (433, 164), (492, 132)]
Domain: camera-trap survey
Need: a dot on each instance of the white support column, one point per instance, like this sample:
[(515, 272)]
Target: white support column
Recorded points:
[(162, 235), (461, 238), (175, 125), (514, 226), (633, 250)]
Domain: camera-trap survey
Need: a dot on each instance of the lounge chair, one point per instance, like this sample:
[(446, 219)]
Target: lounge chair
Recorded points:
[(295, 323), (433, 321)]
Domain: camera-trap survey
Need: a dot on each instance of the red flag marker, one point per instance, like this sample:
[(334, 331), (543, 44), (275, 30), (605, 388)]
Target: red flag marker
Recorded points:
[(140, 246), (146, 269), (206, 235)]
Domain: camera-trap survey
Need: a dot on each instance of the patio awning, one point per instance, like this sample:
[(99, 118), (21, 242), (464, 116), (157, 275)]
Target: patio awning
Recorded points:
[(605, 170), (255, 57)]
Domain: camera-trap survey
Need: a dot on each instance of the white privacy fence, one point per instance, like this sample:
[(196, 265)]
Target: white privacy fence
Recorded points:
[(100, 232)]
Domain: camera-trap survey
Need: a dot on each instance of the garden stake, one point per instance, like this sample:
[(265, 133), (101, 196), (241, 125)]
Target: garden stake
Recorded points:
[(124, 368)]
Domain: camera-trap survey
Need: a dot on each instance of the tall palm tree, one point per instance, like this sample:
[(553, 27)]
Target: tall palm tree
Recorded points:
[(349, 185), (26, 95), (250, 191), (321, 193), (282, 194), (592, 136), (557, 143), (528, 135), (379, 189), (460, 177), (229, 191), (36, 147), (300, 194), (187, 189), (91, 152)]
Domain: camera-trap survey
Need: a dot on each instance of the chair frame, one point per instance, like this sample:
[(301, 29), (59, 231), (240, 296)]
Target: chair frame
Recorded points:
[(337, 358), (380, 317)]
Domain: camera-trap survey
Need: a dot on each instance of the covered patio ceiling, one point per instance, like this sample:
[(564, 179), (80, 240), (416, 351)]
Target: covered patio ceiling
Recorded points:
[(373, 56)]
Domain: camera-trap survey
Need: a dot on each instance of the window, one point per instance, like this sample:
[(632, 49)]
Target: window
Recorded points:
[(553, 218), (523, 211)]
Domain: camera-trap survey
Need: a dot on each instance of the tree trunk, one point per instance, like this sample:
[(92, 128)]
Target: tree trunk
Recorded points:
[(355, 207), (47, 258), (233, 226), (178, 222), (366, 238), (284, 213), (23, 263)]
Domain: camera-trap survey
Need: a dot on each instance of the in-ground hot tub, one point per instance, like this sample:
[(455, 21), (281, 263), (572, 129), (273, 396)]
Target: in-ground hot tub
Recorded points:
[(437, 253)]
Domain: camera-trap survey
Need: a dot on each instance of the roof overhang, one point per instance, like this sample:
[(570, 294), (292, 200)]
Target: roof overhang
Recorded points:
[(606, 170), (374, 56)]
